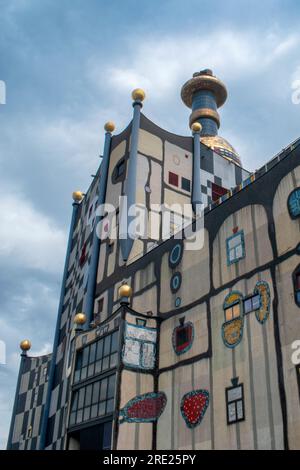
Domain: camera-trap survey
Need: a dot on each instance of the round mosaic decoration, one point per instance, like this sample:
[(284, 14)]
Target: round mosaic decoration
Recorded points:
[(175, 255), (175, 282), (178, 302)]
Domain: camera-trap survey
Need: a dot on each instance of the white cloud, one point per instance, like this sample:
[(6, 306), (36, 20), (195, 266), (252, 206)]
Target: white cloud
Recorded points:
[(29, 238), (160, 64)]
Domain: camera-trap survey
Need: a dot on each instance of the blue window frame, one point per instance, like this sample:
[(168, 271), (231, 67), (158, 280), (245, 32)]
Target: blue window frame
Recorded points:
[(251, 304), (294, 204), (235, 246)]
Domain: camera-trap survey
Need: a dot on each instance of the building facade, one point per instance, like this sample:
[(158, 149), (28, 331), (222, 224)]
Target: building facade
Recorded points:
[(181, 337)]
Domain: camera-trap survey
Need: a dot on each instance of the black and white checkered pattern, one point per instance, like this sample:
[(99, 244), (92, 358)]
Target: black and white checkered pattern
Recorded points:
[(30, 402)]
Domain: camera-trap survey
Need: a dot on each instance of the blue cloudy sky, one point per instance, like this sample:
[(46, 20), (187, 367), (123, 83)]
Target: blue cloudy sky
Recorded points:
[(68, 67)]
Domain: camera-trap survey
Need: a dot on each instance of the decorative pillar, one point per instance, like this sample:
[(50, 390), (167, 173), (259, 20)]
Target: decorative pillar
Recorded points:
[(196, 190), (88, 306), (204, 93), (77, 198), (126, 236), (25, 345)]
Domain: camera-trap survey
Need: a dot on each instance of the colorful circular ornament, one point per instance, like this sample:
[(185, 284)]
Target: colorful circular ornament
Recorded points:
[(175, 282), (175, 255)]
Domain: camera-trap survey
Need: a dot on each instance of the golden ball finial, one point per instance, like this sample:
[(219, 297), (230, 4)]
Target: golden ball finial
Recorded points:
[(109, 126), (25, 345), (196, 127), (80, 319), (77, 196), (125, 291), (138, 94)]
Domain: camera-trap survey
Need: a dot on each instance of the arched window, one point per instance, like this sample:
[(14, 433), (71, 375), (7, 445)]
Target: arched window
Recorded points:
[(294, 204)]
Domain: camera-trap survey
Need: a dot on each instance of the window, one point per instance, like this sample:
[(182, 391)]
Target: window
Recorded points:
[(139, 347), (173, 179), (141, 322), (217, 191), (294, 204), (252, 303), (235, 248), (235, 404), (183, 336), (296, 280), (185, 184), (97, 358), (234, 311), (93, 401)]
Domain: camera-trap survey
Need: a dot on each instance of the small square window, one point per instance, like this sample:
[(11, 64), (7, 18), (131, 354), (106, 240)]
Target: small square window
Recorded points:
[(185, 184), (236, 311), (252, 303), (217, 191), (235, 248), (256, 302), (228, 314), (173, 179), (141, 322), (235, 404), (232, 312), (247, 306)]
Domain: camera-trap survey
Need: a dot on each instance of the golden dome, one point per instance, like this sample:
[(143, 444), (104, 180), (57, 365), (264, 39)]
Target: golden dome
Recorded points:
[(80, 319), (25, 345), (138, 94), (77, 196), (196, 127), (109, 126), (222, 147), (125, 291)]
